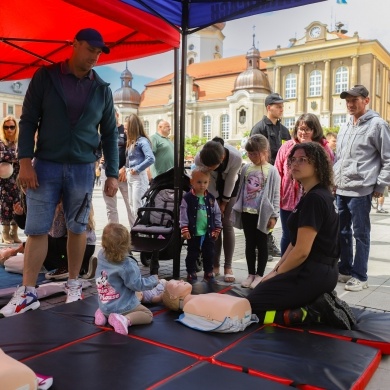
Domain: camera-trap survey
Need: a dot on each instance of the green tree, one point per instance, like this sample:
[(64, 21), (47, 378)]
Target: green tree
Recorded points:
[(192, 146)]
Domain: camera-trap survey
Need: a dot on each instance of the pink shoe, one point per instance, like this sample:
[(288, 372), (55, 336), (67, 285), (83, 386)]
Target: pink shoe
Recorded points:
[(44, 382), (100, 318), (119, 323)]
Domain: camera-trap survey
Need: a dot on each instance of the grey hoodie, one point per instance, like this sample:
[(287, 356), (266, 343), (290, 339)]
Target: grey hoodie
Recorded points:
[(363, 156)]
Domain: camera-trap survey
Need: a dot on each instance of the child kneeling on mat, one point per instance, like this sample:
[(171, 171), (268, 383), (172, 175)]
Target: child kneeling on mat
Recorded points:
[(118, 278)]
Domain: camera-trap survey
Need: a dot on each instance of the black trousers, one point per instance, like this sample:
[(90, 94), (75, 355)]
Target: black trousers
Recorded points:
[(296, 288), (254, 239), (194, 249)]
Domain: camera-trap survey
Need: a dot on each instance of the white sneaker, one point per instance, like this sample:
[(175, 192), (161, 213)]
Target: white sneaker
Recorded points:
[(344, 278), (248, 281), (256, 281), (74, 292), (354, 284), (21, 302)]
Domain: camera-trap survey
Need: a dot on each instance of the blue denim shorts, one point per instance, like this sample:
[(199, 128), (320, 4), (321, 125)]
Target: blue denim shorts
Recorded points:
[(71, 182)]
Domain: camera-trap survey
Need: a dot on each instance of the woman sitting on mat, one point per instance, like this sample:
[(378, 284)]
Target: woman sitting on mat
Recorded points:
[(119, 279), (307, 272)]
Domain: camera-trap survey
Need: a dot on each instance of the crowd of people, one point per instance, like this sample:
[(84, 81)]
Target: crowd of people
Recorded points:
[(321, 188)]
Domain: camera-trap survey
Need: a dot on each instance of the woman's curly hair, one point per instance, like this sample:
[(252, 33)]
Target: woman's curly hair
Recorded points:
[(116, 242), (317, 157)]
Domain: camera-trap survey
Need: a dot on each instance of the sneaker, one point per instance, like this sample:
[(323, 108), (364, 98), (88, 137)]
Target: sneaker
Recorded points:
[(344, 278), (382, 211), (192, 277), (354, 284), (273, 250), (58, 274), (209, 277), (248, 281), (44, 382), (74, 292), (328, 312), (100, 318), (119, 323), (256, 281), (90, 272), (21, 302), (340, 304), (270, 258)]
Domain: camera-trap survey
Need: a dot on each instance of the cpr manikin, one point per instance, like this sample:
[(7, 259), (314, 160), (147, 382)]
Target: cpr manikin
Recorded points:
[(208, 312)]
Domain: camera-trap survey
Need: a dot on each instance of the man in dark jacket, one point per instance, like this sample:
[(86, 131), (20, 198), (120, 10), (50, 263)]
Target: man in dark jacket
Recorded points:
[(71, 109), (271, 127)]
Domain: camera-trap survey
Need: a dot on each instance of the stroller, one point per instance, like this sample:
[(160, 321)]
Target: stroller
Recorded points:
[(153, 231)]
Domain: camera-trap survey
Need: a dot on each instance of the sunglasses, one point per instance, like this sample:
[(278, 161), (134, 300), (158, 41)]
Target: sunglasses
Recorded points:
[(9, 127)]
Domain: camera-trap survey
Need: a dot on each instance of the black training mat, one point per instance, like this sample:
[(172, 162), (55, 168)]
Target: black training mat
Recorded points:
[(166, 331), (38, 331), (300, 358), (109, 361), (372, 329), (210, 376)]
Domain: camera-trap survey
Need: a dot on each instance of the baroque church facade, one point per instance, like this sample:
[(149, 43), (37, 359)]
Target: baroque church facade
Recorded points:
[(225, 96)]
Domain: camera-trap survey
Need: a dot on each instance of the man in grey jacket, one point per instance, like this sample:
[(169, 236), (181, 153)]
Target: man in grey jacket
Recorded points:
[(361, 171)]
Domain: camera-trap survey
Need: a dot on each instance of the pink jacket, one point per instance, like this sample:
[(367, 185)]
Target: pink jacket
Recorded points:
[(290, 190)]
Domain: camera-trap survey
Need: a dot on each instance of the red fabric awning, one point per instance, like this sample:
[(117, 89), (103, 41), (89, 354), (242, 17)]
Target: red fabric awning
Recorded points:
[(39, 32)]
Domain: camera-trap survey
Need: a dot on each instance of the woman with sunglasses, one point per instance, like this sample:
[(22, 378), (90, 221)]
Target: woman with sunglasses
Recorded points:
[(307, 129), (9, 192), (301, 286)]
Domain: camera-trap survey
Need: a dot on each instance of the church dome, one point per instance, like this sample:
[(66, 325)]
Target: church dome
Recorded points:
[(126, 94), (252, 79)]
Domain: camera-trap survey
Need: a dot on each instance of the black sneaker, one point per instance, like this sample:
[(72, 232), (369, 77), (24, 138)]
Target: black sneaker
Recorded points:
[(340, 304), (273, 250), (209, 277), (193, 277), (328, 313), (60, 273)]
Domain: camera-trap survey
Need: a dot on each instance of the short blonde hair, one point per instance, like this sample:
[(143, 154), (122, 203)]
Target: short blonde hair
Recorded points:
[(2, 132), (115, 242)]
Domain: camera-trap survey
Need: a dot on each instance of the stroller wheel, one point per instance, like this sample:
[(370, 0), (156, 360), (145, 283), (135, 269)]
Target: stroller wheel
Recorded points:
[(145, 258)]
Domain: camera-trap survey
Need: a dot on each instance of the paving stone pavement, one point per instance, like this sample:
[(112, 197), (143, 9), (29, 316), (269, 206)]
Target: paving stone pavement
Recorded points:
[(376, 297)]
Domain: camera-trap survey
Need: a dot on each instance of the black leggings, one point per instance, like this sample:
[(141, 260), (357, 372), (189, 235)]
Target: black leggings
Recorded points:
[(254, 239)]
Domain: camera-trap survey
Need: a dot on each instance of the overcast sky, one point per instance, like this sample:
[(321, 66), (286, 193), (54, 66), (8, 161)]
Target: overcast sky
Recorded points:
[(370, 18)]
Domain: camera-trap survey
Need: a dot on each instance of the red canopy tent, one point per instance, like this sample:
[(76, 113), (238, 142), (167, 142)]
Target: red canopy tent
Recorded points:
[(40, 32)]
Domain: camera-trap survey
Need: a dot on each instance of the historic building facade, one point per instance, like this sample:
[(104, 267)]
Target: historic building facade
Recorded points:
[(225, 96), (11, 97)]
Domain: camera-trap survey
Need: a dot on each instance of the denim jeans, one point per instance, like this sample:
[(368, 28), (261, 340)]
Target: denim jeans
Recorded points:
[(285, 240), (354, 215), (138, 184)]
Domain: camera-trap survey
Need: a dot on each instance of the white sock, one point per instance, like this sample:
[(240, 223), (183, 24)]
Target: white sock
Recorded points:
[(31, 289), (73, 282)]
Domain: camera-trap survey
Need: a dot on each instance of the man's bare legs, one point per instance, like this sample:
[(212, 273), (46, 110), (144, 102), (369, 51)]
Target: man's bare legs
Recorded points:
[(76, 248), (34, 255)]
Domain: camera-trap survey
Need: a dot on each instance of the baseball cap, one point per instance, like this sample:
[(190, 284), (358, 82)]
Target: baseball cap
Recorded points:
[(93, 37), (356, 90), (274, 98)]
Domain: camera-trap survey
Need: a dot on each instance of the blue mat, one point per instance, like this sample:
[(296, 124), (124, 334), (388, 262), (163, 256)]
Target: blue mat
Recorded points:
[(8, 279)]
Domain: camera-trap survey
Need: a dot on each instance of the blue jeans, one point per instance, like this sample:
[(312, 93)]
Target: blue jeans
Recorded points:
[(354, 212), (73, 183), (285, 240)]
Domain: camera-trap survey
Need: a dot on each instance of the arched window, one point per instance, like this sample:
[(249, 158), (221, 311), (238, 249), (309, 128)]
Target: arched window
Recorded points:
[(290, 87), (206, 127), (315, 83), (225, 126), (341, 80), (147, 127)]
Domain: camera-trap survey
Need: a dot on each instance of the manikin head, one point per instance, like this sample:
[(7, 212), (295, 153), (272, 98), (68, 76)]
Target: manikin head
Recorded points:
[(175, 291)]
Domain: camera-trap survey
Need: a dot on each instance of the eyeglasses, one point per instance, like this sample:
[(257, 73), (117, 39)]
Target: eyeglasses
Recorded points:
[(9, 127), (305, 130), (299, 160)]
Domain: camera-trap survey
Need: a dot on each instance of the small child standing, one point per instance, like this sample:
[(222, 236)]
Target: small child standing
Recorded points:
[(200, 224), (257, 207), (118, 280)]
